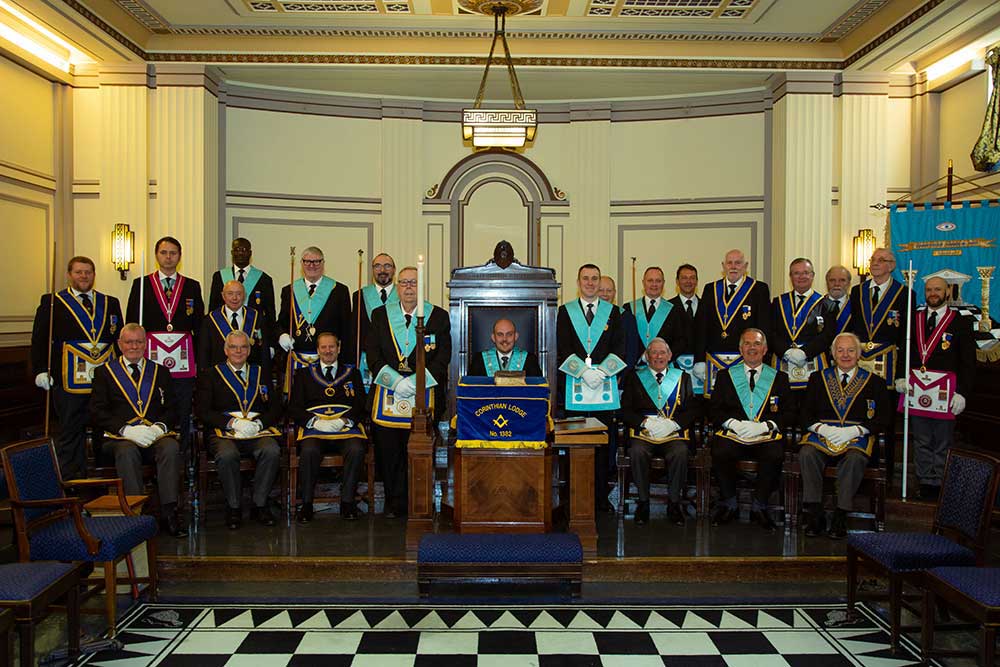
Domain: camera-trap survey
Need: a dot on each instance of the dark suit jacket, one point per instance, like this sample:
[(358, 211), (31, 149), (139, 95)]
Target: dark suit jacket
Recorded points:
[(153, 317), (612, 341), (65, 328), (212, 344), (110, 410), (531, 367), (708, 336), (960, 357), (335, 318), (885, 333), (264, 289), (637, 405), (382, 351), (307, 393), (812, 341), (687, 326), (672, 330), (830, 310), (816, 405), (365, 324), (215, 399), (725, 404)]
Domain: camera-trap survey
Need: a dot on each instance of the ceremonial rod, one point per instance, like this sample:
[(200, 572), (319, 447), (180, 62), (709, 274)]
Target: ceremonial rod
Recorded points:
[(357, 351), (291, 318), (633, 282), (910, 275), (48, 356)]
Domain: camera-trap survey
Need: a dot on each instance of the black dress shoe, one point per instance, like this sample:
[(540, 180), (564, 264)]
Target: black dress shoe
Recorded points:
[(815, 524), (305, 513), (763, 519), (233, 518), (390, 513), (838, 526), (173, 526), (675, 514), (348, 511), (262, 515), (723, 515), (641, 514)]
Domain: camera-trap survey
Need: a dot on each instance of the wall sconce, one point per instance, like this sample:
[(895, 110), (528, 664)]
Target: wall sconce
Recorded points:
[(864, 246), (122, 248)]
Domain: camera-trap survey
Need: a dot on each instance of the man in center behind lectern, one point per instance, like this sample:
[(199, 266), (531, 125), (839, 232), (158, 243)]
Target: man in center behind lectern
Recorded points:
[(590, 342), (392, 356), (658, 410), (504, 355), (749, 409), (843, 409)]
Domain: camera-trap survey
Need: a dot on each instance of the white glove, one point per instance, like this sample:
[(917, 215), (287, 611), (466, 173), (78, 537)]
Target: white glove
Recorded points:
[(699, 371), (657, 427), (957, 404), (755, 429), (593, 378), (902, 386), (245, 428), (286, 342), (841, 435), (405, 388), (796, 357), (156, 430), (826, 431), (139, 434), (43, 381), (671, 426), (329, 425)]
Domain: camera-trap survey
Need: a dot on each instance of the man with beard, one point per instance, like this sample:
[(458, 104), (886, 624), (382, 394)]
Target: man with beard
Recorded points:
[(942, 345), (379, 293), (257, 285)]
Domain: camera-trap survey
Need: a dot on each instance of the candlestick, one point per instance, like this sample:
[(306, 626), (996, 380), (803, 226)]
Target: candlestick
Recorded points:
[(420, 285)]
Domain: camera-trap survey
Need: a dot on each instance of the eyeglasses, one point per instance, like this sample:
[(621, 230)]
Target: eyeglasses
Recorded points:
[(378, 267), (312, 262), (407, 283)]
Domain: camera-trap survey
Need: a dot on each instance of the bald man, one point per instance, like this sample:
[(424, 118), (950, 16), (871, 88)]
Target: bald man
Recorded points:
[(234, 315), (942, 344), (504, 355), (728, 307)]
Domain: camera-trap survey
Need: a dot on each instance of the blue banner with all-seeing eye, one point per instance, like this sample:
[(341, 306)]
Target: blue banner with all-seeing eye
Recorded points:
[(502, 416), (956, 241)]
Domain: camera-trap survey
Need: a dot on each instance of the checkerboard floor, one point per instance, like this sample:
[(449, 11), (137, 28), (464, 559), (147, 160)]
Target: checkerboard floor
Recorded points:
[(545, 635)]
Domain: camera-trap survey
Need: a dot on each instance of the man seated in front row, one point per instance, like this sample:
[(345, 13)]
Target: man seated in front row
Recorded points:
[(749, 408), (657, 409), (133, 403), (235, 400), (504, 356), (843, 408), (327, 402)]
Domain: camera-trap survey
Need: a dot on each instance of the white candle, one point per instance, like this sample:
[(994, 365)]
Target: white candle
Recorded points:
[(420, 285)]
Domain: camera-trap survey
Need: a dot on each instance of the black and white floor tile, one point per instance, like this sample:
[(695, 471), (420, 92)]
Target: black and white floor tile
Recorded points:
[(488, 636)]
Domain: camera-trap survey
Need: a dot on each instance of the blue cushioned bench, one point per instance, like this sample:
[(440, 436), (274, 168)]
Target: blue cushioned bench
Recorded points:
[(500, 558)]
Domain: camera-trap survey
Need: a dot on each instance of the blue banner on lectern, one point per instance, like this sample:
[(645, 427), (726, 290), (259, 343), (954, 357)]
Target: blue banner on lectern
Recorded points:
[(502, 416), (957, 242)]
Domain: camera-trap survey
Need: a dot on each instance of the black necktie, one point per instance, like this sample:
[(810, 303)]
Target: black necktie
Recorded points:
[(875, 296), (312, 290), (753, 383), (136, 373), (328, 374), (241, 275), (799, 298), (503, 362), (88, 305), (651, 310), (383, 295), (659, 378), (836, 308), (409, 318), (590, 313), (234, 322), (932, 321), (239, 374), (168, 286), (843, 380), (730, 288)]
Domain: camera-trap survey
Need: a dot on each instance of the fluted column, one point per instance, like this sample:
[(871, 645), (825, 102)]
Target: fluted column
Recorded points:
[(592, 238), (864, 155), (802, 171), (184, 165), (404, 232)]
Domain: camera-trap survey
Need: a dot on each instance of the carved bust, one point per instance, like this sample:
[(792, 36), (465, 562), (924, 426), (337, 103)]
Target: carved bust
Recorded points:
[(503, 254)]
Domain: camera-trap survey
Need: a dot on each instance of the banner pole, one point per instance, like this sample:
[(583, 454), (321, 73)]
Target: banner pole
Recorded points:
[(910, 275)]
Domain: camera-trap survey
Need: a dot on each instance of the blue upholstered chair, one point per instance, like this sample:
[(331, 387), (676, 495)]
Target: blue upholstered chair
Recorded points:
[(973, 592), (957, 538), (50, 525), (28, 590)]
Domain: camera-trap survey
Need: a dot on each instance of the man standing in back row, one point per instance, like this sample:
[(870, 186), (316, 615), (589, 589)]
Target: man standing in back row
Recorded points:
[(257, 286), (379, 293)]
